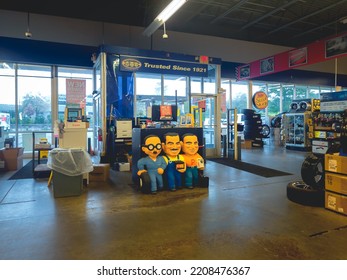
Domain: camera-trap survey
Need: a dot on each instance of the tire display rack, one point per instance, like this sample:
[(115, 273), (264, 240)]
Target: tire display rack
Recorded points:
[(296, 130)]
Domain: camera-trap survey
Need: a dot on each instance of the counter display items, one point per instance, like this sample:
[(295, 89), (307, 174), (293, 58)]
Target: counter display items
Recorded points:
[(153, 164), (175, 161)]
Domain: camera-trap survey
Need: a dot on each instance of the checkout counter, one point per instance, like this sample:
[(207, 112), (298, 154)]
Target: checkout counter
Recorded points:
[(74, 134)]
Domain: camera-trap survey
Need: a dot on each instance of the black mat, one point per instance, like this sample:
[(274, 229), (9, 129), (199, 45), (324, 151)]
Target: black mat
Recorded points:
[(26, 172), (251, 168)]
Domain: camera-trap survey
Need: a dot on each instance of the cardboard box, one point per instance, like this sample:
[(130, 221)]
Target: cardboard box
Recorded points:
[(100, 173), (335, 163), (13, 158), (336, 183), (336, 202), (246, 144)]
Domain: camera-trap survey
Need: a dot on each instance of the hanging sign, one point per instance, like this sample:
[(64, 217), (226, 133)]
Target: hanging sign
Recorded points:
[(260, 100), (76, 93), (172, 67)]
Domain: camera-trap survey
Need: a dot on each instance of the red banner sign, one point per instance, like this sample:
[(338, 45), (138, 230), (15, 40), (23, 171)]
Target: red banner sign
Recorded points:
[(316, 52)]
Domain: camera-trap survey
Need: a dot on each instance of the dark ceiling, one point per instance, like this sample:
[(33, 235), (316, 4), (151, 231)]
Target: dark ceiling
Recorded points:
[(293, 23)]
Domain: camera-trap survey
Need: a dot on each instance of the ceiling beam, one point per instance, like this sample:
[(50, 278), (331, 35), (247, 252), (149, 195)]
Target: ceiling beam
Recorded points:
[(305, 17), (239, 4), (269, 14)]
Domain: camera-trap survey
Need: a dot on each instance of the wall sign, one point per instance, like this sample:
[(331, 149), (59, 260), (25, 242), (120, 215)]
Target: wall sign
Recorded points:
[(260, 100), (172, 67)]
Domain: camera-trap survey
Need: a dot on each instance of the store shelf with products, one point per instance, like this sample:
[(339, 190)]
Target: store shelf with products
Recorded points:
[(326, 127), (296, 129)]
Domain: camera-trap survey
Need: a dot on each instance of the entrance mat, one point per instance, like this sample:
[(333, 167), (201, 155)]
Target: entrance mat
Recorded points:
[(26, 172), (251, 168)]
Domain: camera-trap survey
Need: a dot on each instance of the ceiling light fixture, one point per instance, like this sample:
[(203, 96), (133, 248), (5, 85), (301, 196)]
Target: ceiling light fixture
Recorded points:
[(163, 16), (165, 36), (28, 33)]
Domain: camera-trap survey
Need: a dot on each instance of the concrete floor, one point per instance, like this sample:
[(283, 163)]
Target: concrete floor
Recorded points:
[(240, 217)]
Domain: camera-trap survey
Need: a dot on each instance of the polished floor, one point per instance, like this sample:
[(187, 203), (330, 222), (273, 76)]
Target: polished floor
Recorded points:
[(241, 216)]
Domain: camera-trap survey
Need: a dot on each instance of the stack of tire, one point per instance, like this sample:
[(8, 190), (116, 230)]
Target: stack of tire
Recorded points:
[(254, 129), (310, 190)]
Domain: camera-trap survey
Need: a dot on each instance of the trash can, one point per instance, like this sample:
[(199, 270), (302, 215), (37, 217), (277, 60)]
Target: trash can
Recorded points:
[(68, 167)]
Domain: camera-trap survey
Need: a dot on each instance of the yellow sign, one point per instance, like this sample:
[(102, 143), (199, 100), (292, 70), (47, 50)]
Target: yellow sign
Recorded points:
[(260, 100)]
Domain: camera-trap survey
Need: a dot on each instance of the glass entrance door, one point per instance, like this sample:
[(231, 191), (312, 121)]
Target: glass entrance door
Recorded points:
[(206, 104)]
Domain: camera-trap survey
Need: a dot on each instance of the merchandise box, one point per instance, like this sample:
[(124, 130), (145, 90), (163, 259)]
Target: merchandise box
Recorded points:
[(100, 173), (13, 158), (124, 166), (336, 202), (336, 163), (336, 183)]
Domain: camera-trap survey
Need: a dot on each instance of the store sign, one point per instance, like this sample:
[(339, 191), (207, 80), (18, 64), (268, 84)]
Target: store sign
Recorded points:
[(171, 67), (260, 100)]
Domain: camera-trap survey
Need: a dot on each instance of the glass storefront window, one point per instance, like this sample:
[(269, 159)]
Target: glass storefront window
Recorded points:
[(287, 97), (7, 103), (34, 103), (175, 92), (274, 97), (196, 85), (239, 95), (300, 92), (313, 92), (83, 78)]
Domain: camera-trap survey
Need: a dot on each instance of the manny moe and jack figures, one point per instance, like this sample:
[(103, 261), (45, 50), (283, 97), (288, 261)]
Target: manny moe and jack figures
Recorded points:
[(173, 169)]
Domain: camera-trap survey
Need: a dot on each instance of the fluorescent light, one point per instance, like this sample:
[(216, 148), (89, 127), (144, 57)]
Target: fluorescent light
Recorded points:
[(164, 16), (170, 10)]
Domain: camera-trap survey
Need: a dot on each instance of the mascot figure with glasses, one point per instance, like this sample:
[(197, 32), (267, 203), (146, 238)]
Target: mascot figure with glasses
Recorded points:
[(153, 164)]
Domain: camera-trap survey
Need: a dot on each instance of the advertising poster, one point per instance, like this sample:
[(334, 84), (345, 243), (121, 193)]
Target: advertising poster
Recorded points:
[(76, 93), (297, 57)]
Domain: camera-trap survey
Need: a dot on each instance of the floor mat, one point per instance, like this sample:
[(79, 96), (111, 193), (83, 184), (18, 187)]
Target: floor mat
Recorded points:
[(26, 172), (251, 168)]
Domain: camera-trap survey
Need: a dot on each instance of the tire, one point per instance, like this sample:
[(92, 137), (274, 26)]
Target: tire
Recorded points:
[(265, 131), (299, 192), (253, 122), (248, 112), (145, 183), (312, 171)]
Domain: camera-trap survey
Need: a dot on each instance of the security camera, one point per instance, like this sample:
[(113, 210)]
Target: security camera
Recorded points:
[(28, 34), (165, 36)]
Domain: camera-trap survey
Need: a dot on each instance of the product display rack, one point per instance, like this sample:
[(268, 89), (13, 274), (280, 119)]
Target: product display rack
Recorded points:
[(296, 130)]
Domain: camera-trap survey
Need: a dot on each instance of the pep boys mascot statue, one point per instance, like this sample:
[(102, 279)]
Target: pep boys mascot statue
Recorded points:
[(175, 161), (153, 163)]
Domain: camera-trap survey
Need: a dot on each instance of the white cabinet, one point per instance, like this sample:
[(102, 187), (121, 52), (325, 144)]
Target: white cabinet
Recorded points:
[(296, 129)]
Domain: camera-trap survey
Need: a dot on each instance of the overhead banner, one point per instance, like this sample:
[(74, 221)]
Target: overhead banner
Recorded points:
[(316, 52), (171, 67)]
